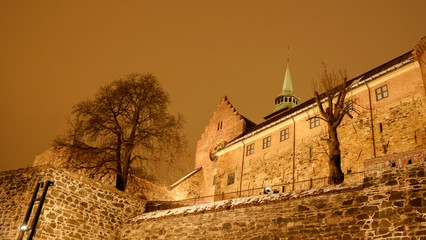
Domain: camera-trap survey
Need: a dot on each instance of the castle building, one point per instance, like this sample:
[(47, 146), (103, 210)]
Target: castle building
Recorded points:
[(235, 155)]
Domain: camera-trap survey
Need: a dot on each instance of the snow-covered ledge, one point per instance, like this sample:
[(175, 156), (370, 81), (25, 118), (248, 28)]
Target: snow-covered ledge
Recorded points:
[(247, 201)]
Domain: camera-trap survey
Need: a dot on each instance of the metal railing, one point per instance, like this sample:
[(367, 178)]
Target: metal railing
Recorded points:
[(357, 177)]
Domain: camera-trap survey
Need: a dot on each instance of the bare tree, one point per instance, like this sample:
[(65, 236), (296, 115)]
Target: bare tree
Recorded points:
[(333, 107), (126, 121)]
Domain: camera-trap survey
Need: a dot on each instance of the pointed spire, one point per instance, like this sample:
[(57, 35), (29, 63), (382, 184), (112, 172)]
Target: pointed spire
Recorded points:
[(287, 98), (288, 84)]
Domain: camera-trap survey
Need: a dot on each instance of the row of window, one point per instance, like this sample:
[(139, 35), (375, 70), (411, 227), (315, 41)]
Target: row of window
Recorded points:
[(284, 135), (231, 179), (381, 92)]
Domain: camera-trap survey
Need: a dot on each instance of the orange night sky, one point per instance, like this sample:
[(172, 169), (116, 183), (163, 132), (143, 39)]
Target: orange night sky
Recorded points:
[(54, 54)]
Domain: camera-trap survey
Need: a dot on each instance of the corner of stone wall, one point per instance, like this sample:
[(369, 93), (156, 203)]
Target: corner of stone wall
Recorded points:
[(189, 188), (76, 207)]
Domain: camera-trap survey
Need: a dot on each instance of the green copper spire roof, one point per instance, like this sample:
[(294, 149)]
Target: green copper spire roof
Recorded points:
[(288, 85), (287, 98)]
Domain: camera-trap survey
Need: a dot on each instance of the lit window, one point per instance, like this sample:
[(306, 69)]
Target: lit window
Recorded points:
[(250, 149), (231, 178), (314, 122), (382, 92), (284, 134), (267, 142)]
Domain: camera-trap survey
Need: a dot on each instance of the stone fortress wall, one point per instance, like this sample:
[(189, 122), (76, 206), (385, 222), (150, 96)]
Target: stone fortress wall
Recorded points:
[(75, 207), (390, 204)]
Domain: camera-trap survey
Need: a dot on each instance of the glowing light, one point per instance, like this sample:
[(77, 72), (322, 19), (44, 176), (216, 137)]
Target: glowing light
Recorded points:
[(24, 228), (267, 190)]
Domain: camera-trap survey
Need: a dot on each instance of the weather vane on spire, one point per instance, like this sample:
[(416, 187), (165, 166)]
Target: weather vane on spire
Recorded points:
[(288, 54)]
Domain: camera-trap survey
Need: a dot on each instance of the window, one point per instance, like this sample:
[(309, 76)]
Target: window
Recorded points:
[(231, 178), (267, 142), (314, 122), (284, 134), (219, 125), (250, 149), (382, 92), (214, 179)]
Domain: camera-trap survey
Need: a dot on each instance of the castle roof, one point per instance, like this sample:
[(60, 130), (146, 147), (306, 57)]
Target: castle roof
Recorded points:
[(284, 114)]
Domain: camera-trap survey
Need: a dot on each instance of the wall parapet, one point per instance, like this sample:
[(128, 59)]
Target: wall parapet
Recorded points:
[(247, 201), (387, 205), (395, 160)]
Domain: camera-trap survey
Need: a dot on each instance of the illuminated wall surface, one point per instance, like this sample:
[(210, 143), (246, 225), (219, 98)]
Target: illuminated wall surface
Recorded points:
[(389, 117), (75, 207), (390, 203)]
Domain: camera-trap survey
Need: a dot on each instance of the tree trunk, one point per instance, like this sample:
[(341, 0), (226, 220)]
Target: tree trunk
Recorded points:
[(126, 171), (336, 174), (119, 181), (119, 184)]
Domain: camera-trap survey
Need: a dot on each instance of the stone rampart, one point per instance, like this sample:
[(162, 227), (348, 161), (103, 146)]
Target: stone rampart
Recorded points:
[(390, 204), (75, 207)]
